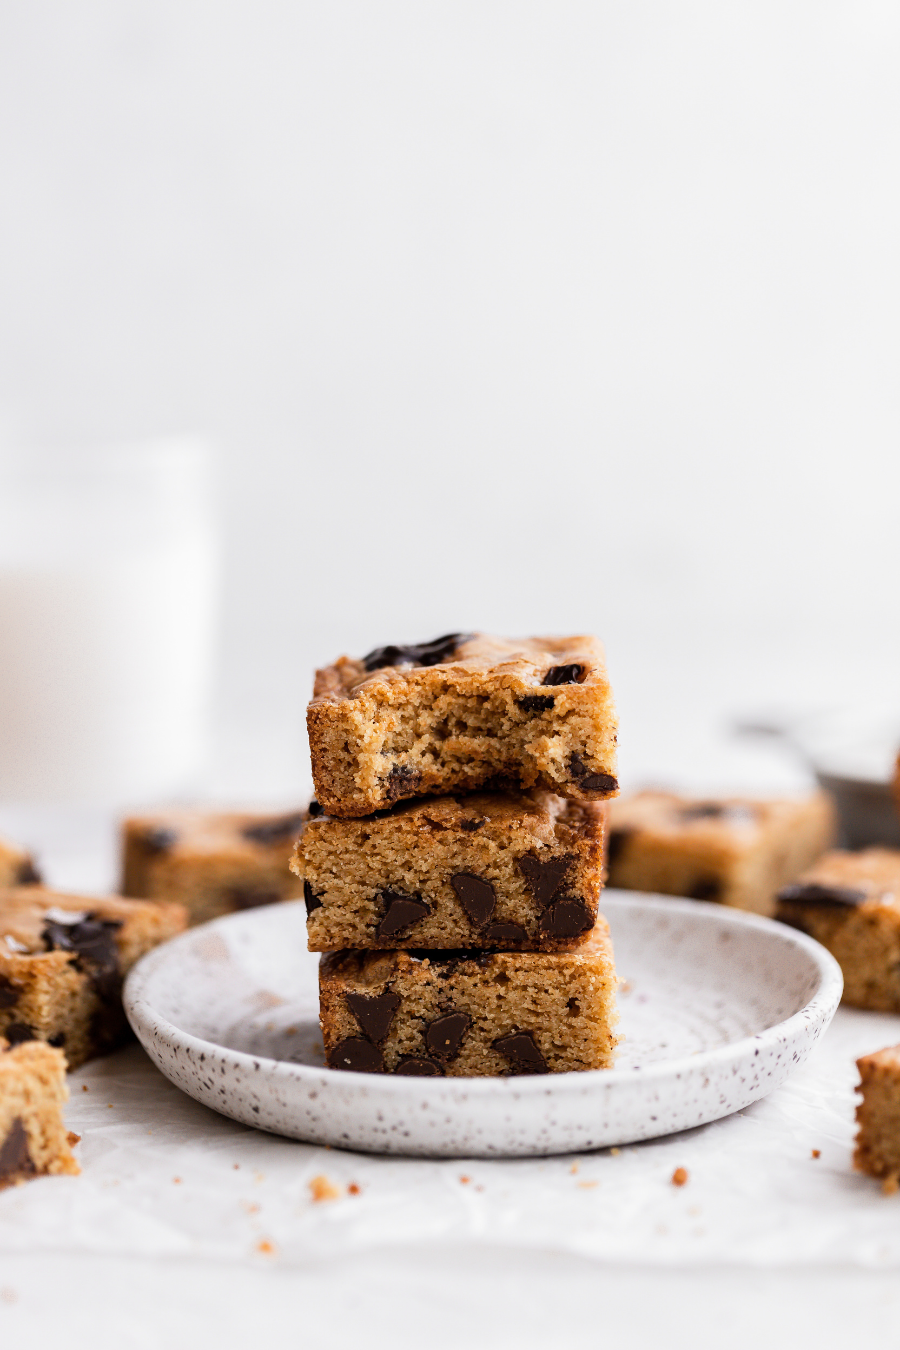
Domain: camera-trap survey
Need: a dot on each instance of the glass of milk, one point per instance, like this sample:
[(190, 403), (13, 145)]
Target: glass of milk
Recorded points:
[(108, 585)]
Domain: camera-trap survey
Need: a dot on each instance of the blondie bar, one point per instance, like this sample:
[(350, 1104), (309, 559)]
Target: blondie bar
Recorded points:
[(734, 850), (514, 870), (33, 1138), (470, 1013), (16, 866), (466, 711), (850, 902), (213, 862), (878, 1117), (62, 962)]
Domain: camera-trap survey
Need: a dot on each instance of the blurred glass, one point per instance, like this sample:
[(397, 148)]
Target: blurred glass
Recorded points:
[(108, 584)]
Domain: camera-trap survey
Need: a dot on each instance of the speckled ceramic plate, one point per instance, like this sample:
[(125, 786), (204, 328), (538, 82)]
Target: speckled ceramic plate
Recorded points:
[(718, 1008)]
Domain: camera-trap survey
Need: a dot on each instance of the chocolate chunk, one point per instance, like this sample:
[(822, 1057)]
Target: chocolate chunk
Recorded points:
[(109, 1025), (17, 1032), (279, 827), (536, 702), (315, 809), (521, 1053), (356, 1056), (416, 654), (500, 933), (813, 893), (241, 897), (543, 876), (93, 943), (402, 911), (572, 674), (312, 900), (567, 917), (476, 895), (444, 1037), (706, 888), (14, 1155), (57, 1041), (402, 781), (475, 823), (417, 1066), (158, 840), (9, 992), (615, 843), (28, 875), (374, 1013), (591, 782)]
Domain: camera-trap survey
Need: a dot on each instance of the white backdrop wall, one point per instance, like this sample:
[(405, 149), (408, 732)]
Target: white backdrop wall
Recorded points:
[(508, 315)]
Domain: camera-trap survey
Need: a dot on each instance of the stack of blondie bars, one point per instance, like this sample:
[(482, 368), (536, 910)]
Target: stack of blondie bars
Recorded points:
[(452, 863)]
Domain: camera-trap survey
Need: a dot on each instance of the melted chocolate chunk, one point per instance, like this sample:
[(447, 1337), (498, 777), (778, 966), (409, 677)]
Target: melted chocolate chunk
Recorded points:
[(814, 893), (312, 900), (615, 843), (416, 654), (158, 840), (500, 933), (445, 1036), (17, 1032), (533, 703), (315, 809), (521, 1053), (402, 781), (445, 961), (707, 888), (374, 1013), (401, 911), (109, 1026), (242, 897), (476, 895), (591, 782), (14, 1156), (356, 1056), (544, 877), (28, 875), (567, 917), (572, 674), (9, 992), (271, 831), (93, 943), (417, 1066)]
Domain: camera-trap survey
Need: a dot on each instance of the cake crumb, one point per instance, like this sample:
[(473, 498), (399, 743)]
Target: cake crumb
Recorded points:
[(176, 1181), (817, 1153), (573, 1169), (614, 1152), (353, 1189), (891, 1184), (72, 1138), (236, 1166), (679, 1176), (265, 1247), (322, 1189), (84, 1087), (464, 1181), (588, 1185)]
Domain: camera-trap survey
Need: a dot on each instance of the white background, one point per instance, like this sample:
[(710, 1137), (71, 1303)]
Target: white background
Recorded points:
[(516, 316)]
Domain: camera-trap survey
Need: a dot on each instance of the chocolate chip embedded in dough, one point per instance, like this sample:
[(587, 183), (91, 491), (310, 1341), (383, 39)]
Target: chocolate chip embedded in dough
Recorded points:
[(417, 1066), (278, 827), (476, 895), (18, 1032), (158, 840), (93, 943), (533, 703), (356, 1056), (567, 917), (315, 809), (445, 1036), (544, 876), (27, 874), (312, 900), (499, 933), (814, 893), (57, 1041), (432, 653), (521, 1053), (591, 782), (572, 674), (474, 823), (402, 781), (241, 897), (9, 992), (401, 911), (14, 1155), (706, 888), (374, 1013)]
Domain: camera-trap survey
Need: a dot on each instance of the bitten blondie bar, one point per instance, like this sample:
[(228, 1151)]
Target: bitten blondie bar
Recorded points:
[(62, 962), (733, 850), (211, 862), (513, 870), (33, 1138), (878, 1117), (16, 866), (850, 902), (475, 1014), (465, 711)]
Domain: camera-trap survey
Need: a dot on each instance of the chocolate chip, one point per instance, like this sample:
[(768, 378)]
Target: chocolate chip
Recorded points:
[(28, 875), (572, 674), (543, 876), (57, 1041), (615, 844), (312, 900), (521, 1053), (402, 781), (14, 1155), (374, 1013), (315, 809), (356, 1056), (417, 1066), (241, 897), (475, 823), (17, 1032), (476, 895), (271, 831), (416, 654), (158, 840), (109, 1025), (93, 943), (567, 917), (706, 888), (813, 893), (444, 1037), (591, 782), (9, 992), (402, 911), (499, 933), (533, 703)]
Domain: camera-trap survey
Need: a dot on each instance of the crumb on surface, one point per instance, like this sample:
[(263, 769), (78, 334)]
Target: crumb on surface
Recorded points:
[(353, 1189), (72, 1138), (236, 1166), (322, 1189), (817, 1153), (464, 1180), (176, 1181), (679, 1176), (588, 1185), (614, 1152), (573, 1169), (84, 1087), (265, 1247)]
